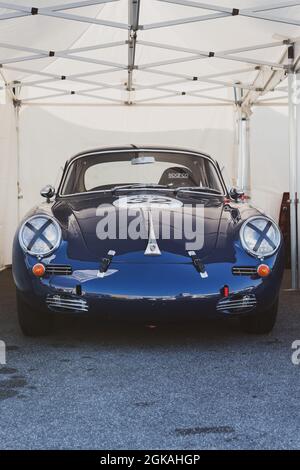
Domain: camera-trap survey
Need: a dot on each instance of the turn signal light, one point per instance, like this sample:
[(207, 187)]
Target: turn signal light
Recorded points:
[(39, 270), (263, 270)]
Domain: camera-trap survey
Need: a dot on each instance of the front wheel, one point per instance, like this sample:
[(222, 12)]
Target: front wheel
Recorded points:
[(261, 322), (32, 322)]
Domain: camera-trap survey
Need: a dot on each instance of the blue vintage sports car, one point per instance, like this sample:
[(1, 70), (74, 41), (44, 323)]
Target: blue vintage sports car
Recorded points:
[(153, 231)]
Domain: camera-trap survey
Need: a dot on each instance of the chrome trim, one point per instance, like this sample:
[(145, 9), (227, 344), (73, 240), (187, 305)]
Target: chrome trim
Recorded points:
[(237, 302), (191, 191), (245, 302), (58, 269), (70, 301), (58, 302), (244, 270), (244, 245), (46, 253), (152, 248), (236, 307), (140, 149)]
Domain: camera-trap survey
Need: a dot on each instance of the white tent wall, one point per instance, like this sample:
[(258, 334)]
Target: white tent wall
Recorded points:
[(49, 136), (8, 180), (269, 157)]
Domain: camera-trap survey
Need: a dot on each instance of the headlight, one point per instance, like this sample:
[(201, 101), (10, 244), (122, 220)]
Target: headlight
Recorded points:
[(260, 236), (40, 235)]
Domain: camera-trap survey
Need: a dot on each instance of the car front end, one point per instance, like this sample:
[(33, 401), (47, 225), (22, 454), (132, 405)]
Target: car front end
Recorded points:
[(63, 264)]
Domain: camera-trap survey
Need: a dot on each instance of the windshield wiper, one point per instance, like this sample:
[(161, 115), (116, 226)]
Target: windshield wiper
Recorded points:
[(140, 186), (197, 189)]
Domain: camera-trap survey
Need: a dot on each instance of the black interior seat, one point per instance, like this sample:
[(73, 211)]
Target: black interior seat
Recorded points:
[(177, 176)]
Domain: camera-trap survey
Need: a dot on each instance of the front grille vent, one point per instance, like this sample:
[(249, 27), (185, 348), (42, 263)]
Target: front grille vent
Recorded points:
[(58, 270), (244, 270), (237, 304), (68, 304)]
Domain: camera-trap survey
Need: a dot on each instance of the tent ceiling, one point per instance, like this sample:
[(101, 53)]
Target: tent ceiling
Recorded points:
[(181, 52)]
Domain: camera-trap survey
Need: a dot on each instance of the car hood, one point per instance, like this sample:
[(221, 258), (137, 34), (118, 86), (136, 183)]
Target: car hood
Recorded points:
[(79, 216)]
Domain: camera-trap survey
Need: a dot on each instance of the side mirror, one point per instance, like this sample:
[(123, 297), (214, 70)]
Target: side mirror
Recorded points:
[(48, 192), (236, 193)]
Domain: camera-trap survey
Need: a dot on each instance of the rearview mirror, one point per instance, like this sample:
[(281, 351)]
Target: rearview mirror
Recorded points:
[(142, 160), (48, 192), (236, 193)]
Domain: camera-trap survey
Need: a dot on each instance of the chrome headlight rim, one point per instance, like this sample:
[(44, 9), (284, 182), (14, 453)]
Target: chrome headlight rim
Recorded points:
[(45, 253), (246, 247)]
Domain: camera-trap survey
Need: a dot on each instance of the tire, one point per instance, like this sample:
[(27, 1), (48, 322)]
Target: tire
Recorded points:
[(260, 323), (32, 322)]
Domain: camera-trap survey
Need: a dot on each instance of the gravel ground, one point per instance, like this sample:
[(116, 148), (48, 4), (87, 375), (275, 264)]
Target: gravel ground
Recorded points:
[(204, 386)]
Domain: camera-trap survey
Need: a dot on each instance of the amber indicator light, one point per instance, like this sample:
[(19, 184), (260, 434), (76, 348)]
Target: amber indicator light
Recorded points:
[(263, 270), (38, 270)]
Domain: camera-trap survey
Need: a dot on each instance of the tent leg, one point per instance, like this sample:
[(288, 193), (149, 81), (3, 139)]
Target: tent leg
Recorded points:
[(17, 114), (17, 105), (243, 179), (293, 177)]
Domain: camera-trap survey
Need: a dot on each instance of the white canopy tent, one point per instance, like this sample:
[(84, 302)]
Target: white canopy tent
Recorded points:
[(82, 74)]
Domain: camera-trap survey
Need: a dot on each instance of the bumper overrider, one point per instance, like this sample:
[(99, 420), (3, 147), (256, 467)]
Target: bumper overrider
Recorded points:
[(168, 289)]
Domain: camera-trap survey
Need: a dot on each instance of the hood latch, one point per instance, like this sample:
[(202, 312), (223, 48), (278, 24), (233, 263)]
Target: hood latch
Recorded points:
[(105, 263), (200, 267)]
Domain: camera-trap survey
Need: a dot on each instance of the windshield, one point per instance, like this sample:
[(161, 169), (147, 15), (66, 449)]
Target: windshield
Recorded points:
[(107, 170)]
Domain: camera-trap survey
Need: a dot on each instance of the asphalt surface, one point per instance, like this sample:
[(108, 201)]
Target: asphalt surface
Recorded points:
[(203, 386)]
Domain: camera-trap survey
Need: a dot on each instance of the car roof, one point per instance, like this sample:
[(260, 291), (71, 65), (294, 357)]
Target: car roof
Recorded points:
[(86, 153)]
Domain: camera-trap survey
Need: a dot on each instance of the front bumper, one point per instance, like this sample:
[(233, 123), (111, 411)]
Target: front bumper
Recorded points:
[(151, 290)]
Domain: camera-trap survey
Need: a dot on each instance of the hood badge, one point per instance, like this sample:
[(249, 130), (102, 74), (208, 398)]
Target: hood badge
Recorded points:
[(152, 248), (200, 268)]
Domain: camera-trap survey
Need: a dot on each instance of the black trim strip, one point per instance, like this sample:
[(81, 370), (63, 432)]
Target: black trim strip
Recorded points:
[(262, 235), (38, 233)]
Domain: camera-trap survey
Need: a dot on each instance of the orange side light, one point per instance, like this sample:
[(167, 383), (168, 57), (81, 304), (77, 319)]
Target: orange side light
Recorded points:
[(263, 270), (38, 270)]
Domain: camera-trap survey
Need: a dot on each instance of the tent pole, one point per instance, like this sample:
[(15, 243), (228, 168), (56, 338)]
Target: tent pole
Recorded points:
[(133, 26), (293, 168), (17, 113), (243, 177), (17, 105), (247, 156), (297, 166)]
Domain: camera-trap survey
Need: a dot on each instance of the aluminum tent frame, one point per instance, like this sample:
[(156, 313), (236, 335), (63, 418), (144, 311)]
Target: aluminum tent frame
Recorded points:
[(226, 87), (133, 26)]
